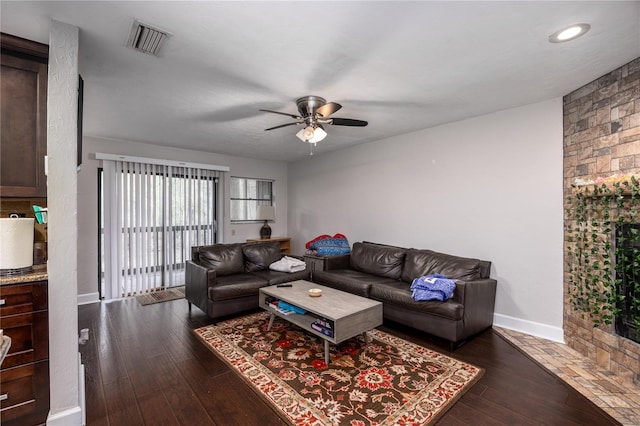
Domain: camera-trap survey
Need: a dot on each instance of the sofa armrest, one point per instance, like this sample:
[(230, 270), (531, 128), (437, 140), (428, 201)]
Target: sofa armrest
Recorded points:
[(478, 298), (198, 279), (337, 262)]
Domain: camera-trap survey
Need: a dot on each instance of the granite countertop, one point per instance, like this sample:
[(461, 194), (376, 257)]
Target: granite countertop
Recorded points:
[(39, 273)]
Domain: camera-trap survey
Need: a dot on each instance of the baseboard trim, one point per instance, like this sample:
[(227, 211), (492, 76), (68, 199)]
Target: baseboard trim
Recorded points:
[(537, 329), (85, 299), (68, 417)]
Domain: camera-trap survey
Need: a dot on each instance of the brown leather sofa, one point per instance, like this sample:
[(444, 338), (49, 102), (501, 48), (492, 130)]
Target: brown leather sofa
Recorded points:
[(385, 273), (224, 279)]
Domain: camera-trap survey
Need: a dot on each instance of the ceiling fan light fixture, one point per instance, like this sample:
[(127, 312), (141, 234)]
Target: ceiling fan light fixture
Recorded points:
[(318, 135), (311, 134), (301, 135), (308, 133)]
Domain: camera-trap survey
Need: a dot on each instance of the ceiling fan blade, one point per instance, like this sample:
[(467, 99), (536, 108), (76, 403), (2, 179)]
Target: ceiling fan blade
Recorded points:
[(282, 125), (328, 109), (297, 117), (348, 122)]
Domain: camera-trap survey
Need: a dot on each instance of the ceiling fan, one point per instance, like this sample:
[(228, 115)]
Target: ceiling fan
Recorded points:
[(314, 112)]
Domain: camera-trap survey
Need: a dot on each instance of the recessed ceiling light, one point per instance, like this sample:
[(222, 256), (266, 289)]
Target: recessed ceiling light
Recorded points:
[(569, 33)]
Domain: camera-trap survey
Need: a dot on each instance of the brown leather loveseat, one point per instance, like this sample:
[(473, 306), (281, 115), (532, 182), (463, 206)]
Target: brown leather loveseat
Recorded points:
[(224, 279), (385, 273)]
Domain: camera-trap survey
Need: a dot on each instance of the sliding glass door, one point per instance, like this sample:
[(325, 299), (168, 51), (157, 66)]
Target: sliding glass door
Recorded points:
[(151, 216)]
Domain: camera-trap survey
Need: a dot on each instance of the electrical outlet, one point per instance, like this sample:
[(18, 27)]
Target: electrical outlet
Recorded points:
[(233, 232)]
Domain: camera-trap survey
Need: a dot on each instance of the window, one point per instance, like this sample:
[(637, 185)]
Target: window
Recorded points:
[(246, 195)]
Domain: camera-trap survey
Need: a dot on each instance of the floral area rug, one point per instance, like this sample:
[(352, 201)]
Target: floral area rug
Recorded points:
[(386, 381)]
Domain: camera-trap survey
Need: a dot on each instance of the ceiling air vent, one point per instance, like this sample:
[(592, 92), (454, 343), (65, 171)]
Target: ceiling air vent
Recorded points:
[(146, 38)]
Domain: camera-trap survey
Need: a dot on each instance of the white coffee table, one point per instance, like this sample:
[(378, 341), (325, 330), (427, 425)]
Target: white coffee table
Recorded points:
[(351, 315)]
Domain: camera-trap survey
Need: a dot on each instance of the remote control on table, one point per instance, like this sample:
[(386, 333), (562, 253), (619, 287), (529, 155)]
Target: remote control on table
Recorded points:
[(283, 285)]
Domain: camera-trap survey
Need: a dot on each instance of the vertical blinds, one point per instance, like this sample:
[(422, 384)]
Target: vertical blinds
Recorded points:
[(153, 215)]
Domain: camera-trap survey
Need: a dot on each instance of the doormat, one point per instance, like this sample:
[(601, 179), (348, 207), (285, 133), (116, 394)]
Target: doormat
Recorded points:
[(387, 381), (161, 296)]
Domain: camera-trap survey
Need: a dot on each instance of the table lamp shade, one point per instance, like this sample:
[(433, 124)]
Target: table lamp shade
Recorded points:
[(266, 213)]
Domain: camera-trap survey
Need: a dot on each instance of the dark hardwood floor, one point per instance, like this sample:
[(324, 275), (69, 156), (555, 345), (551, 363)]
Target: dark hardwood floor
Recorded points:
[(144, 366)]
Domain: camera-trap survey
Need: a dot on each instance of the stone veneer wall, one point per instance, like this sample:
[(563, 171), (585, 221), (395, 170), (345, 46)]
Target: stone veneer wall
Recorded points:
[(601, 139)]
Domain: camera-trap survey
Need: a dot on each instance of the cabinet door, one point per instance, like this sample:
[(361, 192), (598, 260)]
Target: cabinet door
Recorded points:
[(23, 132), (29, 338), (24, 399), (23, 298), (24, 378), (24, 318)]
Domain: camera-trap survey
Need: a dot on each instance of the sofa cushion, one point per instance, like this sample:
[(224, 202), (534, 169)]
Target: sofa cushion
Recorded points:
[(425, 262), (348, 280), (276, 277), (226, 259), (398, 293), (383, 261), (233, 286), (259, 256)]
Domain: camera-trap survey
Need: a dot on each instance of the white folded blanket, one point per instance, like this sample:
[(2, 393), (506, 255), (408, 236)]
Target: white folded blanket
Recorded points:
[(288, 264)]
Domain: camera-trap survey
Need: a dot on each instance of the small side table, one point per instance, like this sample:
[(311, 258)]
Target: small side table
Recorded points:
[(315, 263), (285, 242)]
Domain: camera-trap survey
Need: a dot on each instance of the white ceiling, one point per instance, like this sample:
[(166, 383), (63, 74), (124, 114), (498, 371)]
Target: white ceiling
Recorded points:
[(402, 66)]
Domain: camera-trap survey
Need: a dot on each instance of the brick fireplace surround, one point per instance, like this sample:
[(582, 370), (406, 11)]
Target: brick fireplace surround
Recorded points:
[(601, 139)]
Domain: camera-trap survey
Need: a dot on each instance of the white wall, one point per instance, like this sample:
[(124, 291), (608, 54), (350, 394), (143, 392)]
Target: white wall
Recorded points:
[(88, 197), (489, 187), (62, 107)]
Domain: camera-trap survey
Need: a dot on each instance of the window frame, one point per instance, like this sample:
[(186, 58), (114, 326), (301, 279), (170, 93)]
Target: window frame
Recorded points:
[(259, 201)]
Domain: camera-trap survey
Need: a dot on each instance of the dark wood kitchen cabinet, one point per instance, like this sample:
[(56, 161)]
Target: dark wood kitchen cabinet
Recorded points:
[(23, 120), (24, 375)]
